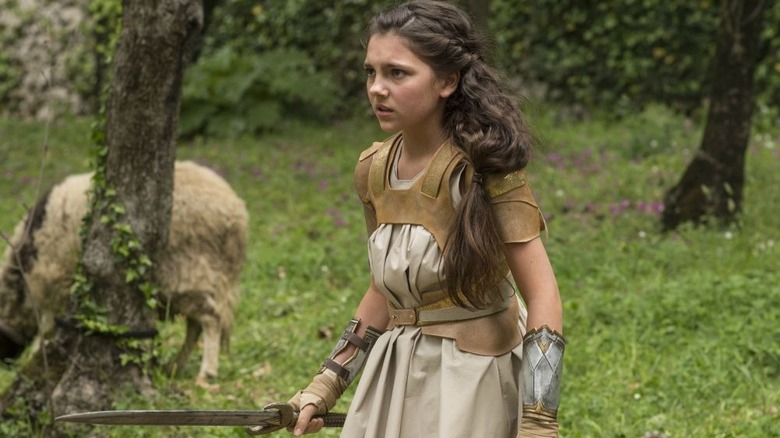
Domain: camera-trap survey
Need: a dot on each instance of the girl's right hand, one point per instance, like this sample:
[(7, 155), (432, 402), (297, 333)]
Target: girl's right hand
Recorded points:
[(305, 424)]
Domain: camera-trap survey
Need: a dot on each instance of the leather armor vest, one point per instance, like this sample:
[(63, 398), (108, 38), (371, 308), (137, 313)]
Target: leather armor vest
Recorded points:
[(428, 203)]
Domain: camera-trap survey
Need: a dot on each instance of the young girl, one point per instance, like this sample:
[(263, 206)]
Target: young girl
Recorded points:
[(453, 227)]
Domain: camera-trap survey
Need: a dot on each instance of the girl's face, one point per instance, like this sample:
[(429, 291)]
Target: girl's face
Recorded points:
[(404, 91)]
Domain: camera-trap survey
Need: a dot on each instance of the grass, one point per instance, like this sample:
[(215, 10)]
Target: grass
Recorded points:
[(673, 335)]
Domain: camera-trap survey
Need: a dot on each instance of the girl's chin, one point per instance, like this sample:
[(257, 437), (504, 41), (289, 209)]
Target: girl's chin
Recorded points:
[(387, 127)]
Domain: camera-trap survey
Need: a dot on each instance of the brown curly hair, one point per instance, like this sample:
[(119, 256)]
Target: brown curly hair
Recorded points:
[(482, 120)]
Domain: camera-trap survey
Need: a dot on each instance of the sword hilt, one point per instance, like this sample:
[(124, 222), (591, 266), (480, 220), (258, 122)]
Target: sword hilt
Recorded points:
[(333, 419), (288, 417)]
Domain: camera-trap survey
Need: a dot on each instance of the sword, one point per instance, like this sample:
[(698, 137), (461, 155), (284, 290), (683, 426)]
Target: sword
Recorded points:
[(275, 416)]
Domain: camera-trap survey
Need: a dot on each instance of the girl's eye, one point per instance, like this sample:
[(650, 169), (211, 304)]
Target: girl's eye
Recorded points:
[(398, 74), (370, 72)]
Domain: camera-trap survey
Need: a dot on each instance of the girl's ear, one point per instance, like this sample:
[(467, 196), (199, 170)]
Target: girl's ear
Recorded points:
[(449, 84)]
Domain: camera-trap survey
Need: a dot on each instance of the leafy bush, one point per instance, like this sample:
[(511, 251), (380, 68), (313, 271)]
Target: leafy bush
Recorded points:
[(768, 72), (328, 32), (229, 93), (620, 55), (9, 76)]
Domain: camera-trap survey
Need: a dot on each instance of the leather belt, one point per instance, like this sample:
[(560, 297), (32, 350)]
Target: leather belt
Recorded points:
[(441, 311)]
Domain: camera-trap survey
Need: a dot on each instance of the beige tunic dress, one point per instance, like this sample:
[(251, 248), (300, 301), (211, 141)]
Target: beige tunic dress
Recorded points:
[(416, 385)]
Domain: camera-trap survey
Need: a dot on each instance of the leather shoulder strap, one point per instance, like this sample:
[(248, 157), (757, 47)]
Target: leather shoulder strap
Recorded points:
[(377, 176), (441, 166), (363, 167), (368, 152)]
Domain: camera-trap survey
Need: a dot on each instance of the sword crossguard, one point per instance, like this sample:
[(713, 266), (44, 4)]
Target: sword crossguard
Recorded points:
[(287, 417)]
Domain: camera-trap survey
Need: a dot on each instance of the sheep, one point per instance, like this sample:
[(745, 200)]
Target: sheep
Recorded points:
[(198, 271)]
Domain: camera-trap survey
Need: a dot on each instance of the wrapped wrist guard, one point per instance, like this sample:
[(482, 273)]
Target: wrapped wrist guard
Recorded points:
[(333, 377), (323, 392), (541, 369)]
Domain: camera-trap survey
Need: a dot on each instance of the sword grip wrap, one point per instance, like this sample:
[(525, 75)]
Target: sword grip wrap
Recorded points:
[(333, 419)]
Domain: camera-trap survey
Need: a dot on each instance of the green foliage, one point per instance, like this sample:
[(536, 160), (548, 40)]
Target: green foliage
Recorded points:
[(105, 24), (621, 54), (768, 72), (329, 33), (89, 65), (624, 55), (656, 324), (675, 333), (18, 422), (9, 76), (229, 93)]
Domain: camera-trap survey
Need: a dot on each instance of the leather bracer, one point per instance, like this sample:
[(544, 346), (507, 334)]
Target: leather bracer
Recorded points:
[(352, 366), (333, 377)]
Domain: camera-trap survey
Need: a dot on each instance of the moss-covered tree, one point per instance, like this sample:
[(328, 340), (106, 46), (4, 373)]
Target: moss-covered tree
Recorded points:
[(85, 361)]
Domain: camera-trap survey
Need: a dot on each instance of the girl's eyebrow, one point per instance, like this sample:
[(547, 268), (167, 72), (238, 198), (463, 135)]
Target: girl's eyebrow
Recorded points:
[(392, 65)]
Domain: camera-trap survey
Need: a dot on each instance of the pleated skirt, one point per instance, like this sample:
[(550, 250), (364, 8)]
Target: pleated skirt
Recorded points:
[(416, 385)]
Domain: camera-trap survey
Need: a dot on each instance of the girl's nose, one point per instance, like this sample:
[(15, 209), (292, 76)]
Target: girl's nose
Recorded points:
[(377, 88)]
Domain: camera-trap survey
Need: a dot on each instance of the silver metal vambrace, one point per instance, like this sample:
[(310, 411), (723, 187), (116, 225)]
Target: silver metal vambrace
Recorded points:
[(541, 369), (352, 366)]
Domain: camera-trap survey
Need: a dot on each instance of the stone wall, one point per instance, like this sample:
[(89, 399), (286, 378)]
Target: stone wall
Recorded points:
[(45, 57)]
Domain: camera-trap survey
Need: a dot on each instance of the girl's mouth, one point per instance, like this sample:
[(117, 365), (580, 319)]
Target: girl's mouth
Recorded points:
[(382, 110)]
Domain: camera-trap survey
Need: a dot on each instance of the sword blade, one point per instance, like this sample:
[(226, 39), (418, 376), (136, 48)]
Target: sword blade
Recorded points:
[(174, 417), (187, 417)]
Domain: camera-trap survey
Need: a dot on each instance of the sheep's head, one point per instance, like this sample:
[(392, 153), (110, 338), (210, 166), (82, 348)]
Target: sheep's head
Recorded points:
[(18, 325)]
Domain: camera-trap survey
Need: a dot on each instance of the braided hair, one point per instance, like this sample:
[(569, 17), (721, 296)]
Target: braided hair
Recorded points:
[(480, 119)]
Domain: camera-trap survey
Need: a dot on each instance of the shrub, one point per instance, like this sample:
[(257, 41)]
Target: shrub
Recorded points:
[(328, 32), (229, 93), (624, 55)]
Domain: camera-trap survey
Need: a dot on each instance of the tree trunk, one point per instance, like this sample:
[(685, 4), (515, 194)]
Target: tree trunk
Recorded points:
[(712, 185), (79, 372)]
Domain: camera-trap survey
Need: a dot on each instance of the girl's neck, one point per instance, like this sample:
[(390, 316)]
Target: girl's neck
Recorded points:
[(416, 152), (419, 146)]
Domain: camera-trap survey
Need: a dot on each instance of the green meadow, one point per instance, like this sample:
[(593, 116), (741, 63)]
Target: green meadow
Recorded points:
[(669, 334)]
